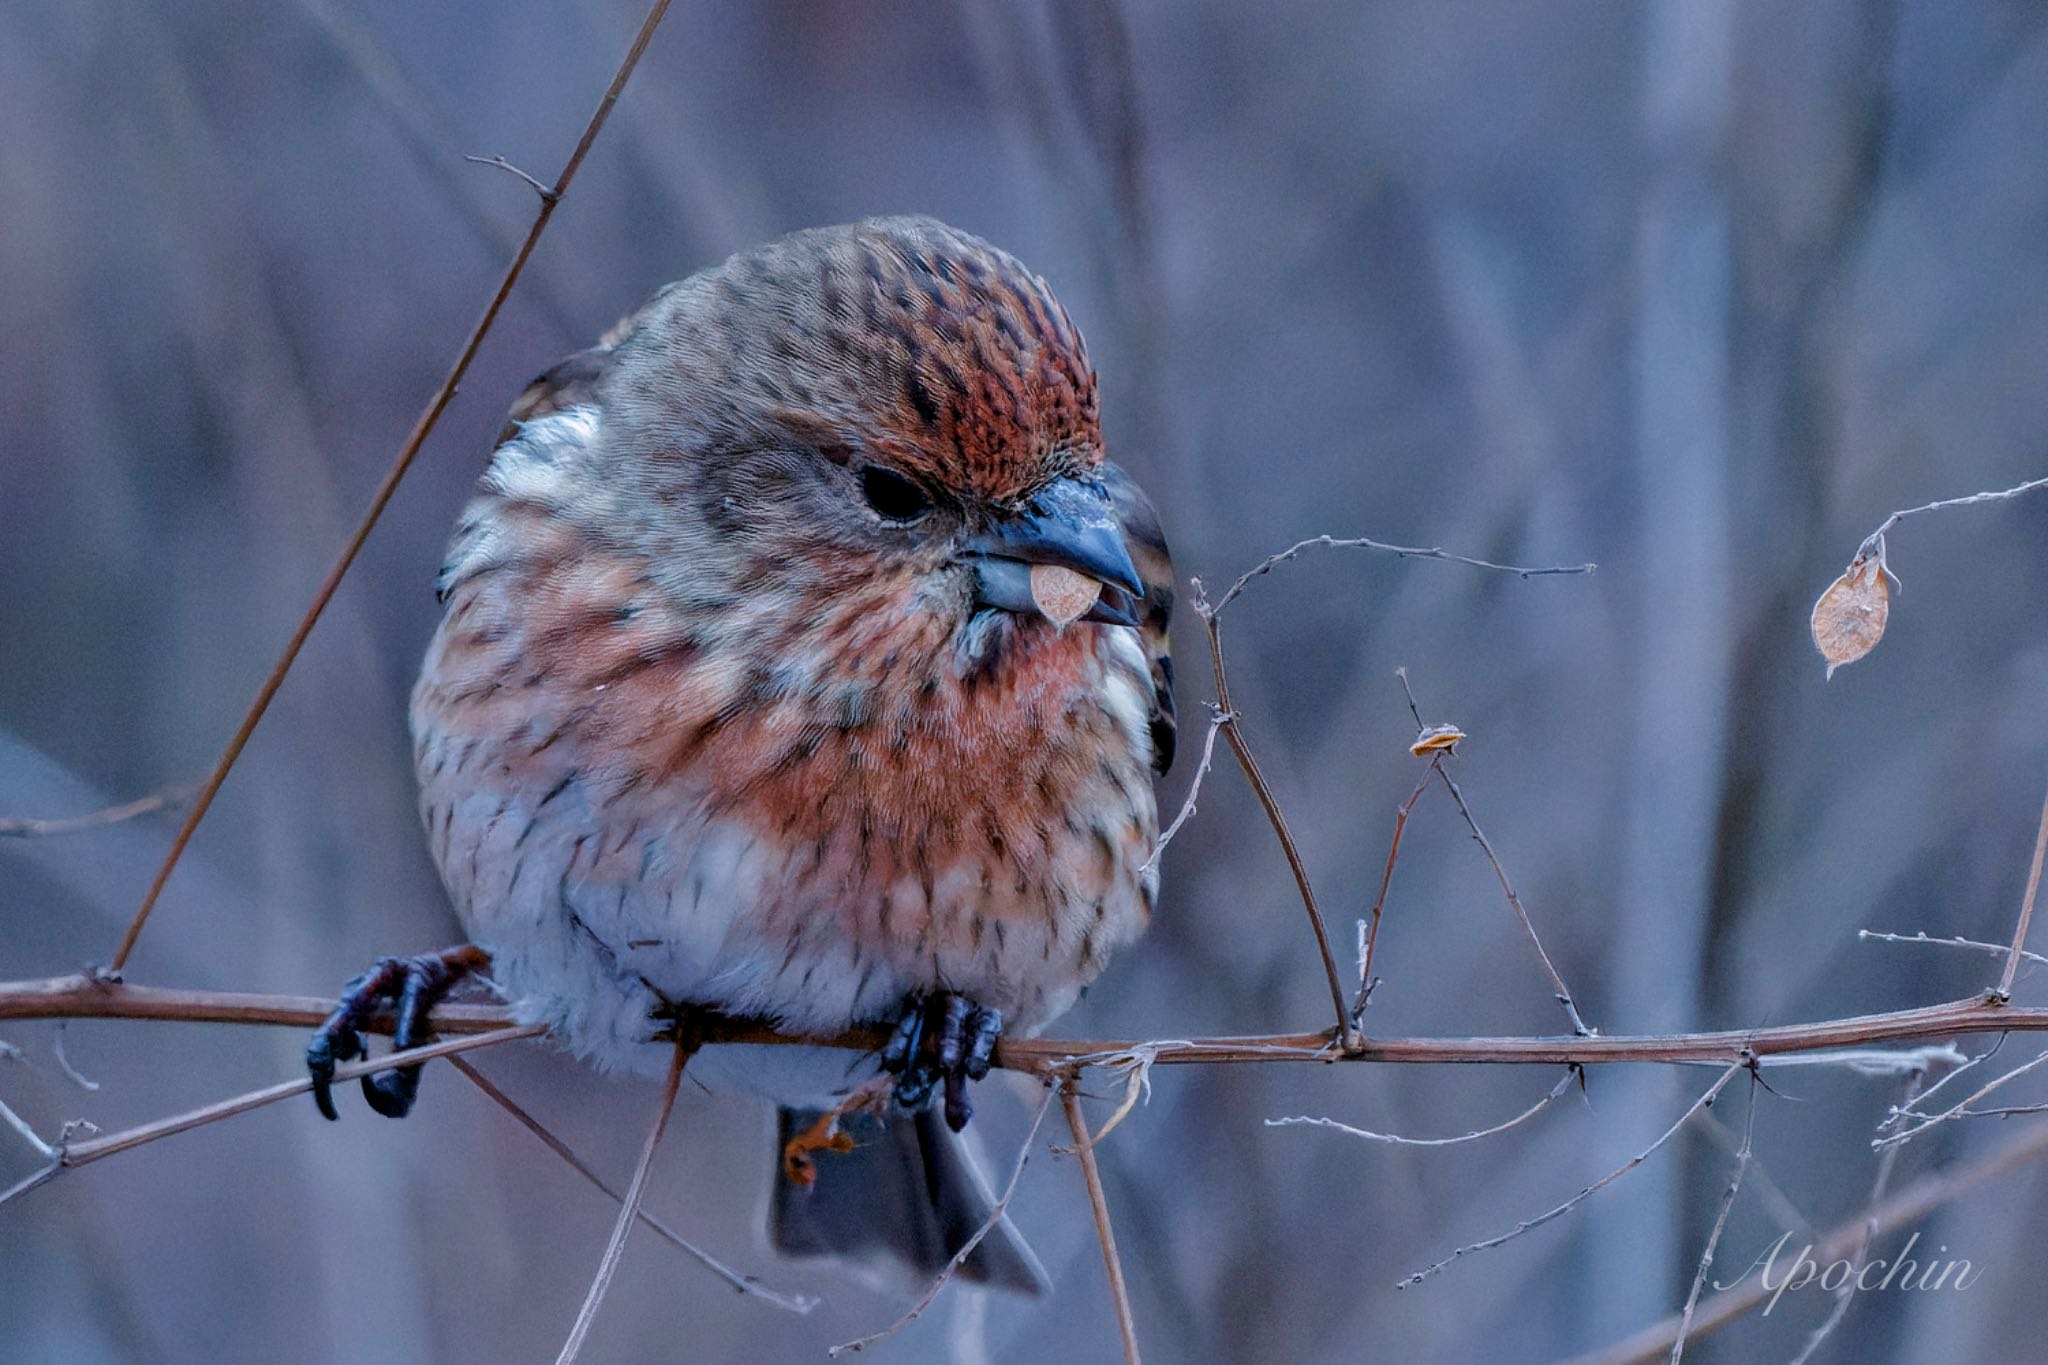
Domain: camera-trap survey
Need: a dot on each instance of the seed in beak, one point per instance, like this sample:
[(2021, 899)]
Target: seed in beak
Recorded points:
[(1061, 594)]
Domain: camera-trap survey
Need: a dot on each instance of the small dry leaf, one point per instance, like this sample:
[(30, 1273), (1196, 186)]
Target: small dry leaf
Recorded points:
[(1435, 737), (1063, 595), (1849, 618)]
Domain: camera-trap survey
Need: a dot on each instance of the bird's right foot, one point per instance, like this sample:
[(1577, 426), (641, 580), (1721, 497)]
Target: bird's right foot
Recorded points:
[(411, 986), (941, 1038)]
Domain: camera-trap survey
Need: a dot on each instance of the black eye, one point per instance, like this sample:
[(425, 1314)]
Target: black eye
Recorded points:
[(893, 497)]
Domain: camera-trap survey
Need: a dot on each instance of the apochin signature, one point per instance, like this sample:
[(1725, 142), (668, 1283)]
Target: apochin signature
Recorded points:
[(1876, 1274)]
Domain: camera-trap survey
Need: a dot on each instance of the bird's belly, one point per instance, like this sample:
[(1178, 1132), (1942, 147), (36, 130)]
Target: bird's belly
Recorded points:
[(596, 910)]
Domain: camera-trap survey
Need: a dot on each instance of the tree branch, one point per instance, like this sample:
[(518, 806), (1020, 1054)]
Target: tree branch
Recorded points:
[(83, 997), (1098, 1202), (399, 465)]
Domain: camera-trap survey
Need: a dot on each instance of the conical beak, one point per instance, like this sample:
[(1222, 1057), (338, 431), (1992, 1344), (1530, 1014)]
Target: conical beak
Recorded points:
[(1072, 524)]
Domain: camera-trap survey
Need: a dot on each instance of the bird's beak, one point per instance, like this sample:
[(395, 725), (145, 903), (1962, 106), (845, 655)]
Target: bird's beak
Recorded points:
[(1071, 523)]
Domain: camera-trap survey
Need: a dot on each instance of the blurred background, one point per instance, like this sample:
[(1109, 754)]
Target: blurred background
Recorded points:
[(1699, 291)]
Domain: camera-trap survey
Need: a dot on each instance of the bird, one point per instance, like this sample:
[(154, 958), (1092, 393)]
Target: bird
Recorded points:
[(803, 659)]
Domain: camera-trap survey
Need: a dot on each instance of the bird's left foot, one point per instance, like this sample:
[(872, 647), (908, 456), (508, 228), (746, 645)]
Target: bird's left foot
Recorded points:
[(412, 986), (941, 1038)]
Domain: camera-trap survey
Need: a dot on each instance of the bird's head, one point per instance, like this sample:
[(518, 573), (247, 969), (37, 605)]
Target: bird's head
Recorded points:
[(891, 416)]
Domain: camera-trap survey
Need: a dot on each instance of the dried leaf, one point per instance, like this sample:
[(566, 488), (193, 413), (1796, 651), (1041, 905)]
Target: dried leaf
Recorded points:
[(1849, 618), (1062, 594), (1435, 737)]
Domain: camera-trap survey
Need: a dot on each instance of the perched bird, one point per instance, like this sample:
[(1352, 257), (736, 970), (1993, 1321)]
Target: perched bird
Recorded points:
[(804, 660)]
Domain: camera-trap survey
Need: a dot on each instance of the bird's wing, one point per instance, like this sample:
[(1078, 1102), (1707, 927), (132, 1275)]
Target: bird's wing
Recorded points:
[(573, 380), (1147, 544)]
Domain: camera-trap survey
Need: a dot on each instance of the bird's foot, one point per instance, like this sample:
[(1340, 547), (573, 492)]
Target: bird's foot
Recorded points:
[(946, 1039), (411, 987)]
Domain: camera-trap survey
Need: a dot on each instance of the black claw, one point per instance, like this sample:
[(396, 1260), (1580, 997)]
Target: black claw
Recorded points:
[(333, 1043), (902, 1044), (391, 1093), (984, 1028), (958, 1110), (914, 1088), (944, 1039), (415, 985), (952, 1040)]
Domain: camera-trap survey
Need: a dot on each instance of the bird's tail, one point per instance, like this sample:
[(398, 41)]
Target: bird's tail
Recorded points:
[(907, 1196)]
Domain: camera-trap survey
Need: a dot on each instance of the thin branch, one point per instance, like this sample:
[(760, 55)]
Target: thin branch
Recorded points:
[(1872, 541), (71, 1073), (1769, 1193), (547, 193), (1217, 717), (1898, 1114), (1953, 941), (1137, 1075), (745, 1284), (1911, 1204), (1531, 1224), (1564, 1083), (1699, 1277), (1961, 1108), (1347, 1032), (82, 997), (1084, 1147), (945, 1275), (1400, 551), (1372, 933), (28, 1133), (1564, 995), (1866, 1061), (629, 1207), (2019, 933), (1847, 1293), (19, 827), (389, 485), (75, 1154)]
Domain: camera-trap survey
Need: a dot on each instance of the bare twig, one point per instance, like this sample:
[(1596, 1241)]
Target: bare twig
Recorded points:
[(629, 1207), (1898, 1113), (1912, 1203), (547, 193), (1961, 1108), (1217, 718), (18, 827), (1699, 1277), (81, 997), (1564, 1083), (1786, 1214), (1953, 941), (1084, 1147), (995, 1216), (745, 1284), (1531, 1224), (74, 1154), (1372, 933), (1886, 1162), (1227, 722), (2019, 933), (1564, 995), (1271, 562), (389, 485), (28, 1133), (1873, 543), (1136, 1067), (71, 1073)]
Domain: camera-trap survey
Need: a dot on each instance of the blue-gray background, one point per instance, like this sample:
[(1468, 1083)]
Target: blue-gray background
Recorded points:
[(1697, 290)]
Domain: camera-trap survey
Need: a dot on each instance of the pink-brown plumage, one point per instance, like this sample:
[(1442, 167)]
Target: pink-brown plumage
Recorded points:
[(700, 723)]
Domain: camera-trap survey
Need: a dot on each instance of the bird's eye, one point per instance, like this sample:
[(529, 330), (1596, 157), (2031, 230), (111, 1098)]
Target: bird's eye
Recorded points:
[(893, 497)]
